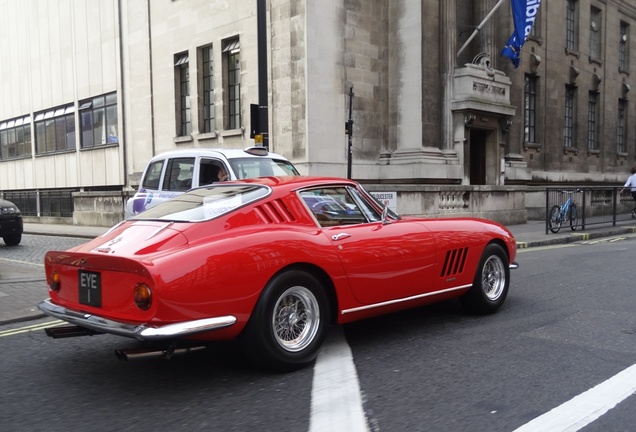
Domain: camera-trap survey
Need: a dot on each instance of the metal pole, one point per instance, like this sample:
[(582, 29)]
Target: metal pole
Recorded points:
[(261, 14), (472, 36), (349, 132)]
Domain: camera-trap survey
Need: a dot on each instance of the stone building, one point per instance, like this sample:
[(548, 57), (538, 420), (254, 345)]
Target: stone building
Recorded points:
[(91, 90)]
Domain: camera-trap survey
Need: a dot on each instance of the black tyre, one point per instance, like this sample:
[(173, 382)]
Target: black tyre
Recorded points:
[(490, 286), (289, 324), (572, 216), (12, 239), (555, 221)]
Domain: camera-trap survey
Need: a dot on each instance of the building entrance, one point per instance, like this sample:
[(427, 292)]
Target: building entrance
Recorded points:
[(477, 156)]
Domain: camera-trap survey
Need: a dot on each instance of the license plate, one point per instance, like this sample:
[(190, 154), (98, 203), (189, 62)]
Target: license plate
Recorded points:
[(90, 288)]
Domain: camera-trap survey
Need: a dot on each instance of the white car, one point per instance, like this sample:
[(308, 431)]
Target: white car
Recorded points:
[(170, 174)]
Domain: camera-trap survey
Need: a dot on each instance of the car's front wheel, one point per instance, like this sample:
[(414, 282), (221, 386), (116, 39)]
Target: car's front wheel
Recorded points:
[(12, 239), (289, 323), (490, 286)]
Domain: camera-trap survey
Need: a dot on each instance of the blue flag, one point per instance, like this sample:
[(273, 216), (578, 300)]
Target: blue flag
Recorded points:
[(523, 13)]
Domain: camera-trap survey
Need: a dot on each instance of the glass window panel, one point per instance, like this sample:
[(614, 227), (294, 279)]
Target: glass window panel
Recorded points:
[(50, 135), (27, 140), (70, 132), (86, 120), (99, 131), (60, 134), (40, 138), (111, 99), (98, 102), (111, 124), (3, 144)]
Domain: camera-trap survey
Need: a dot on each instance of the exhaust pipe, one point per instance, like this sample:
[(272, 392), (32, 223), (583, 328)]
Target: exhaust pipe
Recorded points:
[(69, 331), (144, 353)]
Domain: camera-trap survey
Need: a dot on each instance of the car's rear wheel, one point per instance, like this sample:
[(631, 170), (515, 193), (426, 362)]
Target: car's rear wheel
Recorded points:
[(490, 286), (289, 323), (12, 239)]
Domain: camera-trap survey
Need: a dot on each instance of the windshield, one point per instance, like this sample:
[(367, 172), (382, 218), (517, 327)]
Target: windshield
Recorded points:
[(261, 167), (204, 203)]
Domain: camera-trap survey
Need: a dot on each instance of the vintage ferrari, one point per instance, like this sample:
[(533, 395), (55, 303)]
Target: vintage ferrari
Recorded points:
[(272, 262)]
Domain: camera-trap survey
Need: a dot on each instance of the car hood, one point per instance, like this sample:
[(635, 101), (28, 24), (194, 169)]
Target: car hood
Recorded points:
[(130, 239)]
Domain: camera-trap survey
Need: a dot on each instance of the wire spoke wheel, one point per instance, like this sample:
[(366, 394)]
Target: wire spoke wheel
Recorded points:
[(296, 319), (493, 278)]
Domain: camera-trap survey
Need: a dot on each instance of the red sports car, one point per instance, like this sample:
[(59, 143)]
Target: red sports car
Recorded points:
[(272, 261)]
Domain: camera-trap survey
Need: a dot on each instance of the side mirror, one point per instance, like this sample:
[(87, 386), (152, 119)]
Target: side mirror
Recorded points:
[(385, 216)]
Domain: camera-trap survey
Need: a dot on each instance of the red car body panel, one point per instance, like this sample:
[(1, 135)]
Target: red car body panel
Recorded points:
[(219, 267)]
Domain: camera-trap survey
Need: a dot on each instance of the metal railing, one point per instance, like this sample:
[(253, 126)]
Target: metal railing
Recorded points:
[(43, 203), (594, 205)]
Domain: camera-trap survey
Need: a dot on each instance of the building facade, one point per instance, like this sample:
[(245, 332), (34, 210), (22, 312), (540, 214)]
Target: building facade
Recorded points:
[(91, 90)]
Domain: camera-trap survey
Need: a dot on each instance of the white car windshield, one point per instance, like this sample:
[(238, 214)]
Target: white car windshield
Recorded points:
[(205, 203)]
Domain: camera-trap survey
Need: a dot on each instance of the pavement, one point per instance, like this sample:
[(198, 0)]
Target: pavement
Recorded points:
[(19, 296)]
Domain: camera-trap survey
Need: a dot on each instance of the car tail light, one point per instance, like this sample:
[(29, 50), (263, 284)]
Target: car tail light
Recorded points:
[(54, 281), (142, 296)]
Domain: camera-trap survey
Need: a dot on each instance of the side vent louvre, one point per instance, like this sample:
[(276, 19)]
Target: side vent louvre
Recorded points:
[(274, 212), (454, 262)]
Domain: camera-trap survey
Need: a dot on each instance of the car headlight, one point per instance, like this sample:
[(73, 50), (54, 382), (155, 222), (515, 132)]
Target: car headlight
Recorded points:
[(10, 210)]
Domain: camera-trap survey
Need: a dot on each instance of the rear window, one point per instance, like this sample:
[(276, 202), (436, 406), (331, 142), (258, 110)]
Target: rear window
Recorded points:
[(205, 203), (261, 167)]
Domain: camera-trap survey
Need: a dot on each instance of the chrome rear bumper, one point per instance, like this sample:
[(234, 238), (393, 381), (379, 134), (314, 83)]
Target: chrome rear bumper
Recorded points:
[(142, 332)]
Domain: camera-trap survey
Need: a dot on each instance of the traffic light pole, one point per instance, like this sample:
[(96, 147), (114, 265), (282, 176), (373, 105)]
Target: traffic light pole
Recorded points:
[(349, 132), (263, 120)]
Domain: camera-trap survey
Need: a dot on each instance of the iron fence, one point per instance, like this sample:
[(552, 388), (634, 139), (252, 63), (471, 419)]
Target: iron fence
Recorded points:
[(594, 205), (47, 203)]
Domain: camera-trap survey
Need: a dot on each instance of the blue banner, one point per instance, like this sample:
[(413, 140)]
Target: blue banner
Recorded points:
[(523, 13)]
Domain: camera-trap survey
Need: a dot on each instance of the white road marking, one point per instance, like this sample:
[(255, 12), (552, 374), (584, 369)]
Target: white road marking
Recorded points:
[(31, 328), (336, 404), (21, 262), (583, 409)]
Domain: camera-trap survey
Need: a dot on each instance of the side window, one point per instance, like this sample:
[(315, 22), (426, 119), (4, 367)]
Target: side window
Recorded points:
[(178, 175), (153, 174), (333, 206), (212, 170)]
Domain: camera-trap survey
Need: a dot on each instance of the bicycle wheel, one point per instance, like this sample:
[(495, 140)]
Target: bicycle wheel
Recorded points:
[(555, 221), (572, 216)]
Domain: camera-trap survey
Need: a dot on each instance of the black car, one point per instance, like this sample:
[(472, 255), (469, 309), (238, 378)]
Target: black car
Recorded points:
[(10, 223)]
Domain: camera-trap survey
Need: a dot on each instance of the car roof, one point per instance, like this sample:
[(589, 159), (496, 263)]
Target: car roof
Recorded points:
[(227, 153)]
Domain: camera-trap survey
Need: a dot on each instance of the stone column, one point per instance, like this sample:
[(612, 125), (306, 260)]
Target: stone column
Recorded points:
[(448, 53), (487, 32), (405, 72)]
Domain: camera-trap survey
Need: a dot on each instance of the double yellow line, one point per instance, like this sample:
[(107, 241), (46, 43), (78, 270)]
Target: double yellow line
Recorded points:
[(34, 327)]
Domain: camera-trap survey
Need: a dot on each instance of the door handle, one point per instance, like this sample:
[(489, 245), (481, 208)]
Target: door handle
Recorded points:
[(340, 236)]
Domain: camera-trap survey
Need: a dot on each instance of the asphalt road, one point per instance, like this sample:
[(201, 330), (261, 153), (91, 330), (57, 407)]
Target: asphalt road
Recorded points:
[(567, 326)]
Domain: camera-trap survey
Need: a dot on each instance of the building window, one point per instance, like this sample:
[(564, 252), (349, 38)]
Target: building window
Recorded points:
[(207, 89), (570, 116), (623, 47), (55, 130), (530, 108), (621, 128), (182, 79), (15, 138), (98, 121), (571, 28), (231, 55), (592, 121), (595, 34)]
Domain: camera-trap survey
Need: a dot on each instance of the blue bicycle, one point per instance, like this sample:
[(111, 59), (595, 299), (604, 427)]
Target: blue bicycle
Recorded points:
[(563, 212)]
